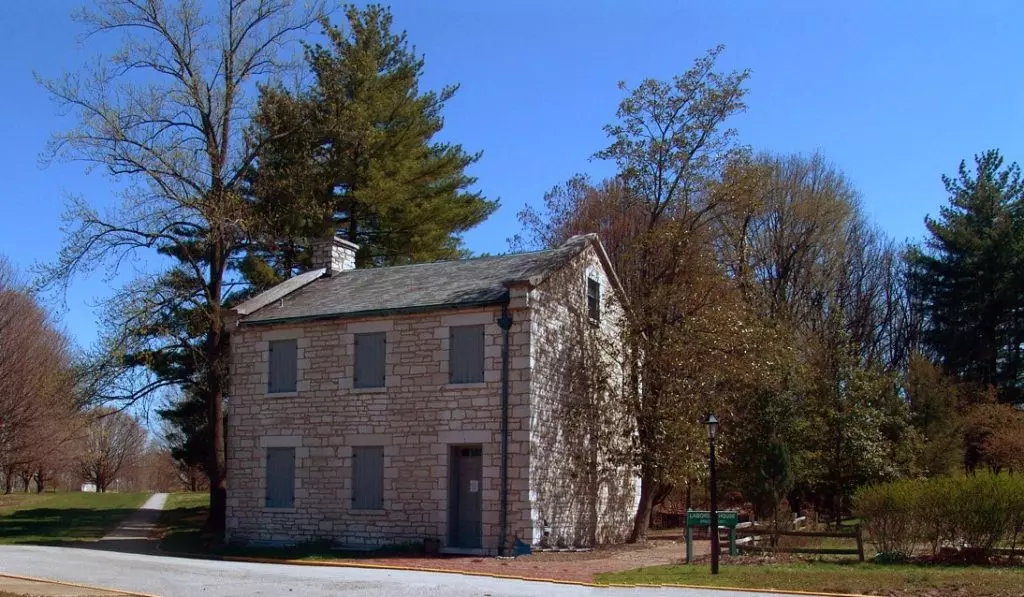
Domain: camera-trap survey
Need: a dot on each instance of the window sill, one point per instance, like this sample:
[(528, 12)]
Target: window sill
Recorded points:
[(466, 386), (365, 512), (373, 390), (281, 394), (271, 510)]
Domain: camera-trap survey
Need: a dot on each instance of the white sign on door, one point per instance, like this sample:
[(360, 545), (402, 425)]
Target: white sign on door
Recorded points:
[(474, 486)]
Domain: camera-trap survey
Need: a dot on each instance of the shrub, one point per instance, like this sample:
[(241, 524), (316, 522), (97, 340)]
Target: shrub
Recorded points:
[(889, 513), (983, 512), (970, 514)]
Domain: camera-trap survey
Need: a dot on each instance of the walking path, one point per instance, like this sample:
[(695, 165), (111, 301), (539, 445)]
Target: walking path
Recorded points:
[(137, 533)]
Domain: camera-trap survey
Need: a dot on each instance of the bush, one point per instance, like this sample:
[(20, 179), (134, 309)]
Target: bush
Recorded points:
[(889, 514), (969, 514)]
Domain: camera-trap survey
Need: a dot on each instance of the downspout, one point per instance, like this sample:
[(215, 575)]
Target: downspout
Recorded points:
[(506, 323)]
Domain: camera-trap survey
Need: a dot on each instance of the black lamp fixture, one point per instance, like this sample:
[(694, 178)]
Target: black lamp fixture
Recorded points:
[(712, 425)]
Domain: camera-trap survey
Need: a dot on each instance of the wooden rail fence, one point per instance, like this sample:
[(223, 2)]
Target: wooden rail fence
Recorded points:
[(754, 535)]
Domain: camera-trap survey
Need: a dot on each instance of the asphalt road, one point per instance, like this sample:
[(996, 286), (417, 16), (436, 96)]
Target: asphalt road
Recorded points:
[(178, 577)]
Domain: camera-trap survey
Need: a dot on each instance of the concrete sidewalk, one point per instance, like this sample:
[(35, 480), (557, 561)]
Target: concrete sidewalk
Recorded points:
[(37, 587), (137, 533)]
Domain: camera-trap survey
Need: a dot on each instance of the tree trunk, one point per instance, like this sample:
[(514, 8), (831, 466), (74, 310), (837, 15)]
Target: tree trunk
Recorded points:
[(215, 523), (216, 378), (40, 474), (642, 520)]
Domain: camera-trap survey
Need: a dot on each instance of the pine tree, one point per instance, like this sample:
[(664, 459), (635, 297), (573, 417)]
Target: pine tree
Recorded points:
[(186, 427), (969, 279), (356, 154)]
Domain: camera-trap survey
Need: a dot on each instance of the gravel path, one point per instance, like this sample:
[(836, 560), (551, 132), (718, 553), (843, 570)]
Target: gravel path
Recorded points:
[(177, 577)]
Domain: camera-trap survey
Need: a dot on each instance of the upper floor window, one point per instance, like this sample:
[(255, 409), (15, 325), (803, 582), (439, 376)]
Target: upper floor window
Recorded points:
[(282, 368), (466, 354), (593, 299), (370, 354)]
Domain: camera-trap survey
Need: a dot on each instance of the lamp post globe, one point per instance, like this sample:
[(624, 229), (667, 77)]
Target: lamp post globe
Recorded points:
[(711, 423)]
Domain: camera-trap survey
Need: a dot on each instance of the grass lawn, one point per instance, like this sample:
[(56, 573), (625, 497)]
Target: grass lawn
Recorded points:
[(851, 577), (61, 517), (183, 517)]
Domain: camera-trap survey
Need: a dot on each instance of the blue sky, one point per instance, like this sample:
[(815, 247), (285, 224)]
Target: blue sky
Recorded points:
[(895, 93)]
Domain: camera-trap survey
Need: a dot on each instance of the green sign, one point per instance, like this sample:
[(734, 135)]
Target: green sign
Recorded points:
[(702, 518)]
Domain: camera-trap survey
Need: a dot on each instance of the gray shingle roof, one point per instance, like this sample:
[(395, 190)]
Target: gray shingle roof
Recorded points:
[(418, 287)]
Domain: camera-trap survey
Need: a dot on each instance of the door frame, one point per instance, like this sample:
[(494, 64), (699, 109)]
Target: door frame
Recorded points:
[(454, 478)]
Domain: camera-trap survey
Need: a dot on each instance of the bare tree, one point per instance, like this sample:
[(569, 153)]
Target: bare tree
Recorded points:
[(114, 442), (165, 117), (37, 403), (797, 240)]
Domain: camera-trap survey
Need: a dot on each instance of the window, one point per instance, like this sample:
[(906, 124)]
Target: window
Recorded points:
[(369, 360), (282, 370), (594, 299), (466, 354), (280, 477), (367, 478)]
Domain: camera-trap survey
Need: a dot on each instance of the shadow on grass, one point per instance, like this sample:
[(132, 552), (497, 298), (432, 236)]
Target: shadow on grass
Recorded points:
[(59, 526), (184, 538)]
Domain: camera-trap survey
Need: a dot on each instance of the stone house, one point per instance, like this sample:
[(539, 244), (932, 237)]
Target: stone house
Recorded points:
[(462, 403)]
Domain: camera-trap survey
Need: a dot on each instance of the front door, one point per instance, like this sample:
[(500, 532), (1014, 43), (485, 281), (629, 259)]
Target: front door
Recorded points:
[(464, 503)]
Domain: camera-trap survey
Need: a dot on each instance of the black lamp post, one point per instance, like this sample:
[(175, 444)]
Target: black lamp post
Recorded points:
[(712, 425)]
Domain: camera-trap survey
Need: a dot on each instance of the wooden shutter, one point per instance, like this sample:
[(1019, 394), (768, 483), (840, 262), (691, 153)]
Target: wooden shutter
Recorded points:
[(367, 477), (370, 355), (466, 354), (282, 373), (280, 477)]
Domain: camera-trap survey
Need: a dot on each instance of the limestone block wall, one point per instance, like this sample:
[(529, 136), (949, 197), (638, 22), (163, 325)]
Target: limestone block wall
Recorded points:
[(417, 417), (580, 488)]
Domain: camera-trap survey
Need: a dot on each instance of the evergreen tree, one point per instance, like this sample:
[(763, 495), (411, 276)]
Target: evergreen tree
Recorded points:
[(186, 427), (969, 279), (356, 154)]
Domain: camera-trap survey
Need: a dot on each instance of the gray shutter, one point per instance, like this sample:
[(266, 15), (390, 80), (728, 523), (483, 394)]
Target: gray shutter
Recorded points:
[(280, 477), (370, 351), (466, 354), (367, 477), (282, 373)]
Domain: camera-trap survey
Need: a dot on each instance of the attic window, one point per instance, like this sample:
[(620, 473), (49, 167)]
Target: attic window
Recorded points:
[(593, 299)]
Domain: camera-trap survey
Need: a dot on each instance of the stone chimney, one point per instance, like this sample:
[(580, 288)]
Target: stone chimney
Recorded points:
[(335, 255)]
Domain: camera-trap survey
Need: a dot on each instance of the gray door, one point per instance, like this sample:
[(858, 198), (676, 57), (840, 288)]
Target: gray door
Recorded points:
[(464, 495)]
